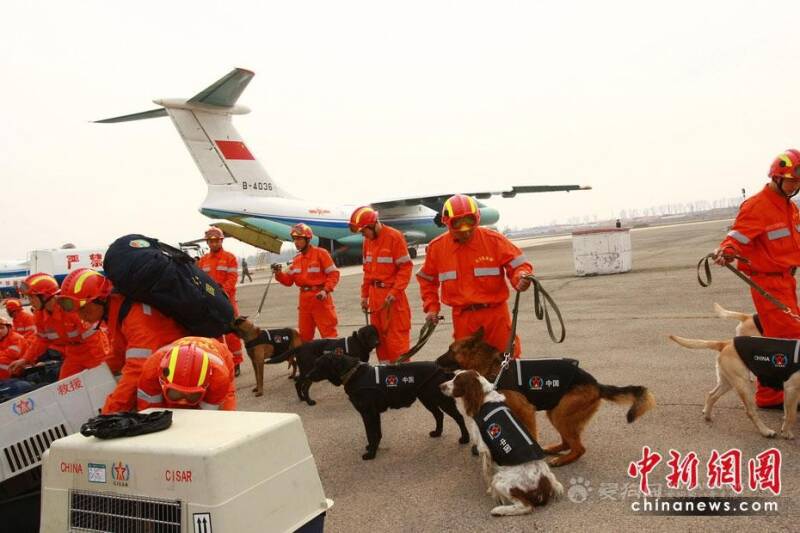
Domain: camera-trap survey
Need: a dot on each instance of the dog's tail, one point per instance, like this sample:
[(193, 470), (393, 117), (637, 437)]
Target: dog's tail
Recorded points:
[(281, 357), (724, 313), (698, 344), (641, 399)]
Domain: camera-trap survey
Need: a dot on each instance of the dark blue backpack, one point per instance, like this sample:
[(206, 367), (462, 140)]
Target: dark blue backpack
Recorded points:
[(151, 272)]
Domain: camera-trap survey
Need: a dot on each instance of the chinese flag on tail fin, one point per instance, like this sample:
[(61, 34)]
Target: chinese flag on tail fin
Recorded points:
[(234, 150)]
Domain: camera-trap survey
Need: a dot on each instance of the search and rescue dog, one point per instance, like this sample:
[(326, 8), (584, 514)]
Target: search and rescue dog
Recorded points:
[(360, 344), (772, 360), (569, 394), (263, 344), (748, 326), (374, 389), (512, 462)]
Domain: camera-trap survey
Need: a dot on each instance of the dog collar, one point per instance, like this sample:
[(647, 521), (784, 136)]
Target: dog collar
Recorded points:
[(349, 374)]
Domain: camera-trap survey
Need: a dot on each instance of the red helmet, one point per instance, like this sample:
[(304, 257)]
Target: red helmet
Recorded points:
[(81, 286), (214, 233), (13, 305), (185, 372), (301, 230), (362, 217), (786, 165), (39, 284), (460, 206)]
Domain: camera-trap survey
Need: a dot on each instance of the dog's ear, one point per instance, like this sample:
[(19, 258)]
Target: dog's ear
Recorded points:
[(470, 388)]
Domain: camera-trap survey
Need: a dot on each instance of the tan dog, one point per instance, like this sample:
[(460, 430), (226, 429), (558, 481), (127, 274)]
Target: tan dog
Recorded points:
[(747, 325), (733, 373), (261, 345)]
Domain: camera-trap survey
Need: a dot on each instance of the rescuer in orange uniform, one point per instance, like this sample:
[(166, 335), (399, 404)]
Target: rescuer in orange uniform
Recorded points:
[(387, 271), (316, 276), (469, 263), (83, 345), (190, 373), (765, 232), (137, 329), (12, 345), (223, 267), (24, 323)]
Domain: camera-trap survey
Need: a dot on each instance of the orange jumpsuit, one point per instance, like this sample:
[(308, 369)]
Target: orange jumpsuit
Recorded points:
[(24, 323), (387, 271), (766, 232), (83, 345), (472, 283), (221, 391), (223, 268), (313, 271), (142, 332), (12, 346)]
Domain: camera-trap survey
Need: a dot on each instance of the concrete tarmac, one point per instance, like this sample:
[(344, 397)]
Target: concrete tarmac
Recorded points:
[(617, 327)]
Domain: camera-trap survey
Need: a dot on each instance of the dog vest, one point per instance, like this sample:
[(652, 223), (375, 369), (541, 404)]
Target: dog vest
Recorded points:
[(772, 360), (543, 381), (399, 383), (279, 339), (508, 441)]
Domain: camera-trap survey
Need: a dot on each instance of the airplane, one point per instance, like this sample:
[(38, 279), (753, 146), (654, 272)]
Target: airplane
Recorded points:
[(259, 211)]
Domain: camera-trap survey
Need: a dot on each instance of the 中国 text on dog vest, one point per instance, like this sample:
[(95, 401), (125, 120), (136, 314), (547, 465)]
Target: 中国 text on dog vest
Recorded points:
[(509, 443)]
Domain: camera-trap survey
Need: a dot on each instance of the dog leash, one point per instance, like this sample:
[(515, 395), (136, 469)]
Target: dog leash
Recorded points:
[(264, 297), (704, 261), (511, 341), (425, 333), (540, 300)]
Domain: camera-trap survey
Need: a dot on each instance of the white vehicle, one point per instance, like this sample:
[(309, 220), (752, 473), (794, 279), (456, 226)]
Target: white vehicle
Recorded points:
[(262, 212), (60, 262), (12, 273)]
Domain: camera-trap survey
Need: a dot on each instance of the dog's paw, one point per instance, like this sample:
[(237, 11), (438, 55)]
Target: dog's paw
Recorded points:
[(370, 455), (788, 435), (258, 393), (311, 402), (475, 450), (556, 461), (769, 433), (435, 433), (464, 439)]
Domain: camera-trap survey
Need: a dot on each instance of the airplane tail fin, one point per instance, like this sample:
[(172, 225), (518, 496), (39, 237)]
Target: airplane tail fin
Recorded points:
[(204, 123)]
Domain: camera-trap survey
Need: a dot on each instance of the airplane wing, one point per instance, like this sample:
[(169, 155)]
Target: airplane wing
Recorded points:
[(436, 201)]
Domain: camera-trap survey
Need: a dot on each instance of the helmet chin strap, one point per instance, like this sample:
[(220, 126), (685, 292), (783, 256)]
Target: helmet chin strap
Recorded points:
[(780, 188)]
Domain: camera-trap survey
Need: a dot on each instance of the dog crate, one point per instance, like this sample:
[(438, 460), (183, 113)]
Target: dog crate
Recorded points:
[(211, 471), (601, 251), (29, 424)]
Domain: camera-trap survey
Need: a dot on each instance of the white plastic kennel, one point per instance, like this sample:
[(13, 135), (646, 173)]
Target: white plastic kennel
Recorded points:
[(211, 471)]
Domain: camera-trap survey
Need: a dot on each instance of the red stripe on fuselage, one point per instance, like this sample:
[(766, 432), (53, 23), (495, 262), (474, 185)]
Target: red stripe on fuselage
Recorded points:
[(234, 150)]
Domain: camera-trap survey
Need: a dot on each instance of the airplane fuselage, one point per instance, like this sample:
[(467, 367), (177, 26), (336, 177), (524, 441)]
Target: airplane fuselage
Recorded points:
[(328, 221)]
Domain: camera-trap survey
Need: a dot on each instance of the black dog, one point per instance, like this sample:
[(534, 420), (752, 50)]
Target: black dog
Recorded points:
[(358, 345), (374, 389)]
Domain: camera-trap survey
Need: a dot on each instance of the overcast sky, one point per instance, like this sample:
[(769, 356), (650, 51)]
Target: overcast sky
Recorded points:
[(649, 103)]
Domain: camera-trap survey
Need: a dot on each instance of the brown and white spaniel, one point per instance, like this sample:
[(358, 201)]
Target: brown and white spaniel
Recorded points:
[(512, 462)]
